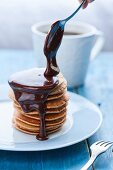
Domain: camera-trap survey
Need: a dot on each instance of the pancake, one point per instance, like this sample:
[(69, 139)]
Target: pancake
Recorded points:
[(34, 129), (52, 119), (57, 93), (48, 117), (35, 133), (48, 111), (51, 104)]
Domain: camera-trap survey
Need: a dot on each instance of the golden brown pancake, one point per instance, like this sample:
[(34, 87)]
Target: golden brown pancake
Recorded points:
[(31, 129), (35, 133), (48, 117), (53, 119)]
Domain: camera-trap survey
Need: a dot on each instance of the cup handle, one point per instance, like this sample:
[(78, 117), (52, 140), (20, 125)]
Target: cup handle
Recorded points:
[(99, 43)]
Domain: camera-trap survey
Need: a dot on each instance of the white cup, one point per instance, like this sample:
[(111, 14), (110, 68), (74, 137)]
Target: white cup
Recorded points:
[(75, 51)]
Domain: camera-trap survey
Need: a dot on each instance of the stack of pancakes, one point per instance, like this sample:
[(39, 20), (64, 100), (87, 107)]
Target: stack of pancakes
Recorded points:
[(55, 111)]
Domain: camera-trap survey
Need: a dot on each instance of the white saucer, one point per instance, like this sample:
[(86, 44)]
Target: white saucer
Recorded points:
[(83, 120)]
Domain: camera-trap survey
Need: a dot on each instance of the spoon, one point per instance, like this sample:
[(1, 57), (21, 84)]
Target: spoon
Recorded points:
[(68, 18), (53, 41)]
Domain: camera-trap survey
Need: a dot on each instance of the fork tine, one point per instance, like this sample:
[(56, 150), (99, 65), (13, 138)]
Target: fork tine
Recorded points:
[(99, 142), (109, 144), (105, 143)]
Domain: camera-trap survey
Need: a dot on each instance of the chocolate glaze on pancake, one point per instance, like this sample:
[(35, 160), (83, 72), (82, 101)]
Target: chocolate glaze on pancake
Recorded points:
[(31, 90), (33, 97)]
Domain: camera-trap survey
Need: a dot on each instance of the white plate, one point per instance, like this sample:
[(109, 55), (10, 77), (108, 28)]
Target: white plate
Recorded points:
[(83, 120)]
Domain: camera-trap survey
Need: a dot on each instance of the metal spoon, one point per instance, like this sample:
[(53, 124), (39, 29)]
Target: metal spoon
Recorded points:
[(68, 18)]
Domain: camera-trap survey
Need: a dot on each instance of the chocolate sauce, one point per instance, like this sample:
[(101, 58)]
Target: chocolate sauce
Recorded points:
[(52, 44), (32, 92), (31, 88)]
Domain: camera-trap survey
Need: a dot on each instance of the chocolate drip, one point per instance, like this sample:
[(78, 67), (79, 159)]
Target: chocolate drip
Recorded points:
[(52, 44), (32, 92)]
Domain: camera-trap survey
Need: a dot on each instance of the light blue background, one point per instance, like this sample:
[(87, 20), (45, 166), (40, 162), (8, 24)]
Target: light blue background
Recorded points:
[(17, 16)]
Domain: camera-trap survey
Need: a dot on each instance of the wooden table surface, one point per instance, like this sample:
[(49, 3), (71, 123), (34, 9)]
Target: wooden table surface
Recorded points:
[(98, 88)]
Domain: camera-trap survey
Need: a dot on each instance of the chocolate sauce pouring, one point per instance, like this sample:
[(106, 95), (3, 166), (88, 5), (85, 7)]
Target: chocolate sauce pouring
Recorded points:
[(52, 43), (32, 97), (32, 92)]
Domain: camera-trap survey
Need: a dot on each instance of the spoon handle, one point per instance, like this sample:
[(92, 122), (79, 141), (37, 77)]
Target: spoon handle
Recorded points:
[(68, 18)]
